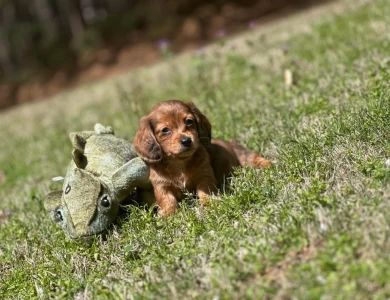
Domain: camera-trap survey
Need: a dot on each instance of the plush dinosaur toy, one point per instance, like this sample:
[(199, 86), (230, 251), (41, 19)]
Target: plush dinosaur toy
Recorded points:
[(104, 171)]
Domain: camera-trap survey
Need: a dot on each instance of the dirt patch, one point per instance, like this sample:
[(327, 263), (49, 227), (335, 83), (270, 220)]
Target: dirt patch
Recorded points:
[(4, 216), (276, 274)]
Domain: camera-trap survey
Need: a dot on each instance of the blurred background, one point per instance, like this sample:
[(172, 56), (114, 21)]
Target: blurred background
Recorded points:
[(47, 46)]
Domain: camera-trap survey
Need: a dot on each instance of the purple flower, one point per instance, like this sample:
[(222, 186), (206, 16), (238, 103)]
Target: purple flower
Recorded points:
[(217, 51), (251, 24), (221, 33), (199, 52), (284, 48), (163, 44)]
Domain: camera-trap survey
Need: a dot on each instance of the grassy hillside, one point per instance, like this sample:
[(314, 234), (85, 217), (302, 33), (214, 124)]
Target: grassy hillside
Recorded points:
[(314, 225)]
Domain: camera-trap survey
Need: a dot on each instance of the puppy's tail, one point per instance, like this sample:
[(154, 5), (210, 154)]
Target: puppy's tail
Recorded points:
[(249, 158)]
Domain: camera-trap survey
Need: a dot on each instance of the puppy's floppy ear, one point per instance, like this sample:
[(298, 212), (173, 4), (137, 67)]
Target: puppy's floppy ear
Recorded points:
[(204, 126), (145, 142)]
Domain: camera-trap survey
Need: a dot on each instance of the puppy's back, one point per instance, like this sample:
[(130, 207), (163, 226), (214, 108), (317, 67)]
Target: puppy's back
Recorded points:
[(222, 159), (224, 156)]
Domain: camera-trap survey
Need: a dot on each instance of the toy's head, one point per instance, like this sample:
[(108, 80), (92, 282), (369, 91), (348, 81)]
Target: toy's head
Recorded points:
[(103, 172), (84, 207)]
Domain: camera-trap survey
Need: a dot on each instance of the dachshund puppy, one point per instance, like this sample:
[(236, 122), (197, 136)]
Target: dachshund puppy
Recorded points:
[(175, 140)]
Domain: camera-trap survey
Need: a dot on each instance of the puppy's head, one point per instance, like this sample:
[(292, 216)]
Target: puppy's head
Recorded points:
[(173, 129)]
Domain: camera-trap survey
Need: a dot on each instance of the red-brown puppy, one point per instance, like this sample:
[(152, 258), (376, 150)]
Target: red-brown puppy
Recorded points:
[(175, 141)]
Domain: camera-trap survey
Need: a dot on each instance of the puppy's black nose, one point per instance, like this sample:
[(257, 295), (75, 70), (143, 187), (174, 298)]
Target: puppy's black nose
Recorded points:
[(186, 142)]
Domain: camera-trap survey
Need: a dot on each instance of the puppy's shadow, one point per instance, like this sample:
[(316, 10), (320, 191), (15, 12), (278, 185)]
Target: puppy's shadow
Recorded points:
[(133, 200)]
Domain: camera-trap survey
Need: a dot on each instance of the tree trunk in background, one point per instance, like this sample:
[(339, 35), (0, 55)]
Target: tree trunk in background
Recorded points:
[(99, 7), (60, 20), (44, 16), (8, 20), (76, 21), (116, 6), (7, 67), (26, 24)]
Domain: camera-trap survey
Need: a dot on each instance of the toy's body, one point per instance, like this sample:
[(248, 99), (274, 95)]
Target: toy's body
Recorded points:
[(104, 171)]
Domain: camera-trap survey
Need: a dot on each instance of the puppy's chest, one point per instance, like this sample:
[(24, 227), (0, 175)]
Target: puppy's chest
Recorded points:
[(179, 180), (182, 181)]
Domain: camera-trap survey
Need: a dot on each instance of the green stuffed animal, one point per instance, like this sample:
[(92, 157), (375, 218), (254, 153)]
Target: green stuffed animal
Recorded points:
[(104, 171)]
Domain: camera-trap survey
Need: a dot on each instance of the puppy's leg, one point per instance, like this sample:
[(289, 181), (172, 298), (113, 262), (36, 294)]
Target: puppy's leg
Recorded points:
[(248, 157), (146, 197), (206, 187), (166, 200)]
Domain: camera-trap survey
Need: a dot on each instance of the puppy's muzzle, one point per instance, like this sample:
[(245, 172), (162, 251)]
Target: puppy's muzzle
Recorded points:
[(186, 142)]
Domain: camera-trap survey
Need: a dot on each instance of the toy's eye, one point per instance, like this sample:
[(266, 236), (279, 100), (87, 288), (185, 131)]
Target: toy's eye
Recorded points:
[(105, 202), (165, 130), (59, 214), (189, 122)]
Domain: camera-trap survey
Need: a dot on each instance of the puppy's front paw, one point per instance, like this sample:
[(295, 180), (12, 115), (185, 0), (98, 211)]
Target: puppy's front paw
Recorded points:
[(204, 200), (166, 211)]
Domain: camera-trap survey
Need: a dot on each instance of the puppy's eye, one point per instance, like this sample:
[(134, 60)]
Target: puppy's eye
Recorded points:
[(189, 122), (165, 130)]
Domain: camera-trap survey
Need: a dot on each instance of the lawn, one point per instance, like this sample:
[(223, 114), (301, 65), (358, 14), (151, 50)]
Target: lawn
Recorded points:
[(314, 225)]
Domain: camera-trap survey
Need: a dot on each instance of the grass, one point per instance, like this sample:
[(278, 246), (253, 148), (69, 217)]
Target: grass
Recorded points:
[(315, 225)]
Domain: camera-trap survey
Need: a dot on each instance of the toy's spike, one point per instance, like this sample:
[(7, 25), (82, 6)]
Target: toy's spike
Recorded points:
[(78, 141), (79, 158), (58, 178), (100, 129)]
